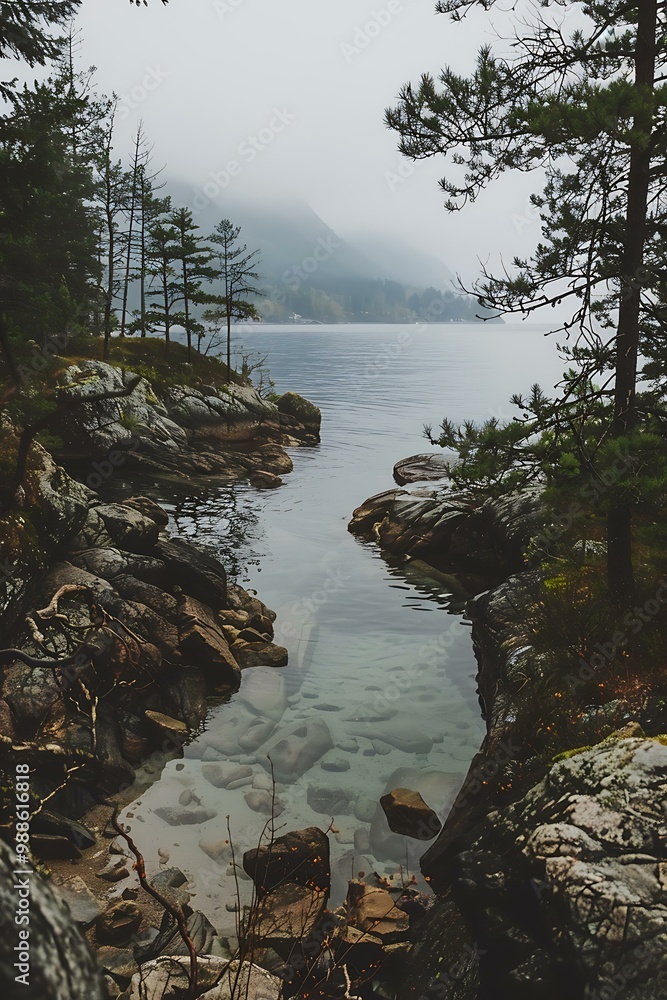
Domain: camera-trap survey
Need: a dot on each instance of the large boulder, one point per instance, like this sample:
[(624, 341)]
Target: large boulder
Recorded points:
[(302, 410), (122, 423), (167, 978), (50, 509), (453, 530), (128, 528), (582, 855), (421, 468), (204, 643), (195, 571), (373, 911), (288, 916), (409, 815), (111, 562), (60, 965), (301, 857)]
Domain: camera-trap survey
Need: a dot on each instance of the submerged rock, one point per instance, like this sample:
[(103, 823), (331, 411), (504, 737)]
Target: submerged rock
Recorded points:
[(180, 816), (296, 748), (225, 774)]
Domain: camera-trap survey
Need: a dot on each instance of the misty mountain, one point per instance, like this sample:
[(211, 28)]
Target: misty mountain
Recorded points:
[(308, 271)]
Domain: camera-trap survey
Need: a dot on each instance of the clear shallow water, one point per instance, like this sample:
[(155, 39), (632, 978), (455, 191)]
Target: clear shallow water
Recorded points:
[(377, 654)]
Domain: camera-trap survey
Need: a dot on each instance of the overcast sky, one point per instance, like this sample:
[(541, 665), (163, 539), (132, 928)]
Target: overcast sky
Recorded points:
[(266, 99)]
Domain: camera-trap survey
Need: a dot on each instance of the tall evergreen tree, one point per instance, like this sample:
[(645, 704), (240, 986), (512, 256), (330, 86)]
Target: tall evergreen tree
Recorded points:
[(587, 107), (47, 252), (196, 266), (164, 287), (237, 270), (113, 196), (150, 207)]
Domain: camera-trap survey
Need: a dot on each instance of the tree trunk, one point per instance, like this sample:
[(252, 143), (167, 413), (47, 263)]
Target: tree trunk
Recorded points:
[(142, 266), (186, 306), (619, 521), (228, 307), (167, 324)]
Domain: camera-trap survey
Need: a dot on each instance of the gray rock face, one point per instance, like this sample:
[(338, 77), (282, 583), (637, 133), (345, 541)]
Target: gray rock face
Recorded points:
[(167, 979), (421, 468), (302, 409), (128, 528), (204, 642), (448, 529), (199, 574), (111, 562), (53, 934), (113, 423), (53, 509), (585, 846), (82, 904)]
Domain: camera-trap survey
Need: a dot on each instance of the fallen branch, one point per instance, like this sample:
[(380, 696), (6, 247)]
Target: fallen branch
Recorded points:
[(175, 911)]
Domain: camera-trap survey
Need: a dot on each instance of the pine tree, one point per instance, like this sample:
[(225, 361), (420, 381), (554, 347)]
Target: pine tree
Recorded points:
[(237, 269), (196, 263), (113, 197), (164, 287), (587, 108), (47, 252)]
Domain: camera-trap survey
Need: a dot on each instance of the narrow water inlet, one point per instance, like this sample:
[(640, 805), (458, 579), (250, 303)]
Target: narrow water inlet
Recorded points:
[(379, 691)]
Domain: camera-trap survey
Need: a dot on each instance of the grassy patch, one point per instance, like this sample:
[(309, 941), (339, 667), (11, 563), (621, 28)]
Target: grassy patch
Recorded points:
[(146, 356)]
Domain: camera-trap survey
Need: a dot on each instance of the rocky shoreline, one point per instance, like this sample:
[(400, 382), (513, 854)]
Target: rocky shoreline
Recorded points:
[(122, 637), (118, 635), (548, 871)]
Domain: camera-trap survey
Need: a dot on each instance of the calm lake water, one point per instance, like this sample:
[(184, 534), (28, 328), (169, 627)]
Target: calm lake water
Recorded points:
[(378, 657)]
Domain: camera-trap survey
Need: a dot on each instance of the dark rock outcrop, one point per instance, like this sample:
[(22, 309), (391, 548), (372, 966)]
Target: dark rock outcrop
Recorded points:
[(60, 965), (453, 531), (421, 468), (300, 857)]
